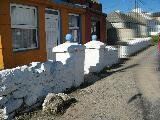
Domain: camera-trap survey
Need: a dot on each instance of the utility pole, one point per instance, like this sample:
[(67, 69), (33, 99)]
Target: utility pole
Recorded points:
[(137, 17)]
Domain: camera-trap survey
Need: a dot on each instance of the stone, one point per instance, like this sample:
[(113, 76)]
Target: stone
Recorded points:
[(31, 99), (65, 97), (57, 103), (20, 93), (27, 85), (3, 100), (7, 90), (9, 116), (12, 105), (52, 104)]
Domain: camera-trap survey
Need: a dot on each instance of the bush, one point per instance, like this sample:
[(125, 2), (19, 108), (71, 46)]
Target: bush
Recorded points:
[(154, 39)]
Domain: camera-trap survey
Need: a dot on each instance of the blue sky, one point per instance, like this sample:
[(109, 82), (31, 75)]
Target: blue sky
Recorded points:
[(128, 5)]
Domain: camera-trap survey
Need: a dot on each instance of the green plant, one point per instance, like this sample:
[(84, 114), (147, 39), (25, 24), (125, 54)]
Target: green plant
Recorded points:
[(154, 39)]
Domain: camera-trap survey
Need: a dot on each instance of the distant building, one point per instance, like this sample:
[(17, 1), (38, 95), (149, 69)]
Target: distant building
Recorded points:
[(156, 29), (126, 26), (123, 27), (156, 15)]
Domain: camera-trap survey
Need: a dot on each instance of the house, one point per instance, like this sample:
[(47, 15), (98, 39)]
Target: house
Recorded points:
[(155, 23), (141, 23), (156, 15), (120, 27), (29, 29), (148, 22), (125, 26)]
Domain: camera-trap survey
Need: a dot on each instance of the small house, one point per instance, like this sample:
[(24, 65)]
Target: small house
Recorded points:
[(123, 27), (29, 29)]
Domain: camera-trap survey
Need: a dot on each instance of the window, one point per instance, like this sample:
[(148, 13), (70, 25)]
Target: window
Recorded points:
[(95, 28), (24, 27), (74, 26)]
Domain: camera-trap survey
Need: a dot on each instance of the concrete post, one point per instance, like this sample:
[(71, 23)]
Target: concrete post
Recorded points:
[(72, 54), (94, 56)]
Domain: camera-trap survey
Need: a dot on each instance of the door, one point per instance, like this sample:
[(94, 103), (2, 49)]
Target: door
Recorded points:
[(52, 29)]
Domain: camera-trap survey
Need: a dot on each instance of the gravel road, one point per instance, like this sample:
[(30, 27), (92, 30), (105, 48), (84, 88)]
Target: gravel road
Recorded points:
[(129, 91)]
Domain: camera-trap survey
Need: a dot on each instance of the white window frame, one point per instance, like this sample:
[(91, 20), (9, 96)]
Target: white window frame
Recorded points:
[(25, 26)]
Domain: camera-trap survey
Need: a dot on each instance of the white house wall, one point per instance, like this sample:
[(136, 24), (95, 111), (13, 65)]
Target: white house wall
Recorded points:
[(118, 25)]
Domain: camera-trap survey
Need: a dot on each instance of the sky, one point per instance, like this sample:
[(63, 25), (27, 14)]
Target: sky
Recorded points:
[(127, 5)]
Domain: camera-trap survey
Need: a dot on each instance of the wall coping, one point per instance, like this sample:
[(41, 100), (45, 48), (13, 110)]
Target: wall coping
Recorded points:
[(68, 47), (95, 45)]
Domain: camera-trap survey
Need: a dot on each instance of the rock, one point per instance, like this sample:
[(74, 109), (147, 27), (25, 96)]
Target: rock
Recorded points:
[(9, 116), (20, 93), (12, 105), (31, 99), (6, 91), (65, 97), (3, 100), (57, 103), (52, 104)]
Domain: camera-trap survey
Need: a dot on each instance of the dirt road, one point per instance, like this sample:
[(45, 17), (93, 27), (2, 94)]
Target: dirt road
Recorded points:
[(129, 92)]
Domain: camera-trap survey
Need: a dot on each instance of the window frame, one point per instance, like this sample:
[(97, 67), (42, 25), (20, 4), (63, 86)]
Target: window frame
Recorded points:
[(97, 26), (35, 27)]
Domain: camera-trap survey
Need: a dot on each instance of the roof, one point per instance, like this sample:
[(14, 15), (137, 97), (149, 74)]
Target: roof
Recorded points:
[(156, 14), (120, 17), (130, 17)]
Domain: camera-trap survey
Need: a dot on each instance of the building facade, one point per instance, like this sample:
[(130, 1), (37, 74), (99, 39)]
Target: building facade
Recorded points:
[(124, 27), (30, 29)]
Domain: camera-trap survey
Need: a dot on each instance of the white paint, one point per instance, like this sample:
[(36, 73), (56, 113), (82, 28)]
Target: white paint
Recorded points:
[(27, 85), (111, 56), (73, 54), (134, 46), (30, 84), (98, 56), (94, 56), (118, 25)]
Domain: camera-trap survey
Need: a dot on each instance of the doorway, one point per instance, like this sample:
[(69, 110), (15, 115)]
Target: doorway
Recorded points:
[(52, 29)]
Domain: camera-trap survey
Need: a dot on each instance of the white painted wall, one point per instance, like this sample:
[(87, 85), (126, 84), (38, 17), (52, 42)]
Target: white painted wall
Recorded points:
[(98, 56), (118, 25), (143, 30), (134, 46), (73, 54), (27, 85), (125, 34), (111, 56), (94, 56)]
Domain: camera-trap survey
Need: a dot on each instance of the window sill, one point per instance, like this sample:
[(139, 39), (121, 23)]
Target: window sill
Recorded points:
[(25, 49)]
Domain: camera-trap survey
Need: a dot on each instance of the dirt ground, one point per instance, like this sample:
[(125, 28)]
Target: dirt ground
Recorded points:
[(129, 91)]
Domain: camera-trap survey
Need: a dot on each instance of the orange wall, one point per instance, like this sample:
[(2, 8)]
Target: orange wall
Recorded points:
[(1, 55), (12, 59), (102, 20)]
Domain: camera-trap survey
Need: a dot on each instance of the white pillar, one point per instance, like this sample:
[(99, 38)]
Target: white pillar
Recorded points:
[(72, 55), (94, 56)]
